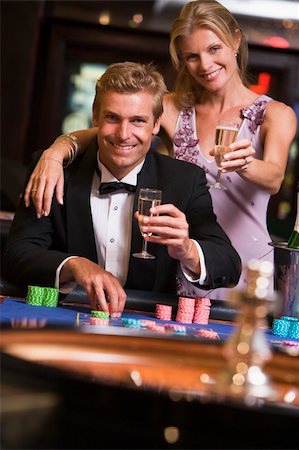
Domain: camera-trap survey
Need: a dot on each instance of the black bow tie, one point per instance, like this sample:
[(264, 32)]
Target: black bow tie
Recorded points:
[(107, 188)]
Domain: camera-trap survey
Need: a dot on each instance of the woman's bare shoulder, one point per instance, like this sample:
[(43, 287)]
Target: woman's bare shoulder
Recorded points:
[(277, 107), (281, 119)]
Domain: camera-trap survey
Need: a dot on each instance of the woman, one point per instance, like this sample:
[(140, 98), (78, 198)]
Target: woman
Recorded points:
[(209, 51)]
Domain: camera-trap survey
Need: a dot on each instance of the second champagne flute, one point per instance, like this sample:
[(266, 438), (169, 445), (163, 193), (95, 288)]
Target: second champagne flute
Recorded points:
[(226, 134), (148, 198)]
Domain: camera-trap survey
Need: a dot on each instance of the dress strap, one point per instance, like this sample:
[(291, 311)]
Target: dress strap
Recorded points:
[(255, 113), (184, 141)]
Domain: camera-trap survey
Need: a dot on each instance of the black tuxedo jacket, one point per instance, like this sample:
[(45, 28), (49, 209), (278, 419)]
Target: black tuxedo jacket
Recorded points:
[(36, 247)]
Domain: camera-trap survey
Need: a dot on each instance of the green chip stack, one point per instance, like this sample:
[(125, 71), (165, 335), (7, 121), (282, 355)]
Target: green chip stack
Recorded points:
[(100, 314), (50, 297), (34, 296), (42, 296)]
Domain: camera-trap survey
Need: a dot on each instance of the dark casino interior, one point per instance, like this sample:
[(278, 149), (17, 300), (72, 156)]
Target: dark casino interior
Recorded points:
[(52, 53)]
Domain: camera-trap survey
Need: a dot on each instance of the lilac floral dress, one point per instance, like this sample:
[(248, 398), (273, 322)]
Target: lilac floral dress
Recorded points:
[(241, 210)]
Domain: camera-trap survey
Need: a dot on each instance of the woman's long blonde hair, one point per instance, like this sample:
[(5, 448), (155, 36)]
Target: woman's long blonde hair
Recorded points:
[(211, 15)]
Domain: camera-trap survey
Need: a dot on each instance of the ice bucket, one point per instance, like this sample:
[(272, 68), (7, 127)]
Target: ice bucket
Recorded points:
[(286, 278)]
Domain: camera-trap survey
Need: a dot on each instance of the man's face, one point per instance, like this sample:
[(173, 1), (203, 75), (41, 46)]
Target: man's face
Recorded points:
[(125, 127)]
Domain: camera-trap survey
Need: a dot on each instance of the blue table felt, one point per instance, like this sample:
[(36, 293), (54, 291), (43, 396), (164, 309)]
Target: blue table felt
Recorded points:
[(16, 309)]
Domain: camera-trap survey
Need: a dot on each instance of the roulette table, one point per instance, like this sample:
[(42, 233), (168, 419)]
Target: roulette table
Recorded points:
[(69, 384)]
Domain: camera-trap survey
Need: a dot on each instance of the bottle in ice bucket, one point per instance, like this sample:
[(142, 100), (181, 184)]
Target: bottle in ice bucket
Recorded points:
[(293, 242)]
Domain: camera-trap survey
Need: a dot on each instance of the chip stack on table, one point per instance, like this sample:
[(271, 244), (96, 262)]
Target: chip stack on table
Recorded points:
[(210, 334), (130, 322), (100, 314), (42, 296), (98, 321), (163, 312), (294, 330), (146, 323), (196, 310), (157, 328), (100, 318), (286, 326), (34, 296), (50, 297), (185, 311), (176, 329), (202, 311)]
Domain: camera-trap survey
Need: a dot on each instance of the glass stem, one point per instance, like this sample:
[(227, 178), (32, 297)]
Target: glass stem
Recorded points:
[(144, 246), (218, 176)]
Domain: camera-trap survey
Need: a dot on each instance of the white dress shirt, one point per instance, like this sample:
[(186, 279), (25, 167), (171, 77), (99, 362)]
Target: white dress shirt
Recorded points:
[(112, 222)]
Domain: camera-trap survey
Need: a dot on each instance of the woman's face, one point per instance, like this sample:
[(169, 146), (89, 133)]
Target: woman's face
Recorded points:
[(209, 61)]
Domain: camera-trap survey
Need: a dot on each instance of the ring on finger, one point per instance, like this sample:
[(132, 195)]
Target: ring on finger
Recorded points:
[(246, 161)]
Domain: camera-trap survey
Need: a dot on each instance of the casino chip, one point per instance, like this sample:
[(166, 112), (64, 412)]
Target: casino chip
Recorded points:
[(193, 310), (280, 327), (176, 329), (210, 334), (202, 310), (130, 322), (99, 321), (286, 326), (50, 297), (289, 318), (100, 314), (42, 296), (185, 311), (163, 312), (34, 296), (294, 330)]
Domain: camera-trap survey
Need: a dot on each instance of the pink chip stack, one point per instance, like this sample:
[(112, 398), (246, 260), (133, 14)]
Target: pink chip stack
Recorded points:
[(185, 311), (98, 321), (202, 310), (190, 310), (163, 312)]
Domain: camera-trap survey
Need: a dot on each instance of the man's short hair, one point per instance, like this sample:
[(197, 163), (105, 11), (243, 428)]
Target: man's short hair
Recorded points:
[(130, 77)]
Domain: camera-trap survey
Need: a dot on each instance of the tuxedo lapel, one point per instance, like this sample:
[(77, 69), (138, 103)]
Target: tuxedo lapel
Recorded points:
[(79, 226)]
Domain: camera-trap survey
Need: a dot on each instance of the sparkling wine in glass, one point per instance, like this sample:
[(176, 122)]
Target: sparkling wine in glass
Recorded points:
[(147, 199), (226, 134)]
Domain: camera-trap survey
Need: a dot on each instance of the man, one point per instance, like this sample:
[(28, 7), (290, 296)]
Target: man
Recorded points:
[(91, 238)]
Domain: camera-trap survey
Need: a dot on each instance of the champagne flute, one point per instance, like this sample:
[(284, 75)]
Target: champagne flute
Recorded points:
[(226, 134), (147, 199)]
